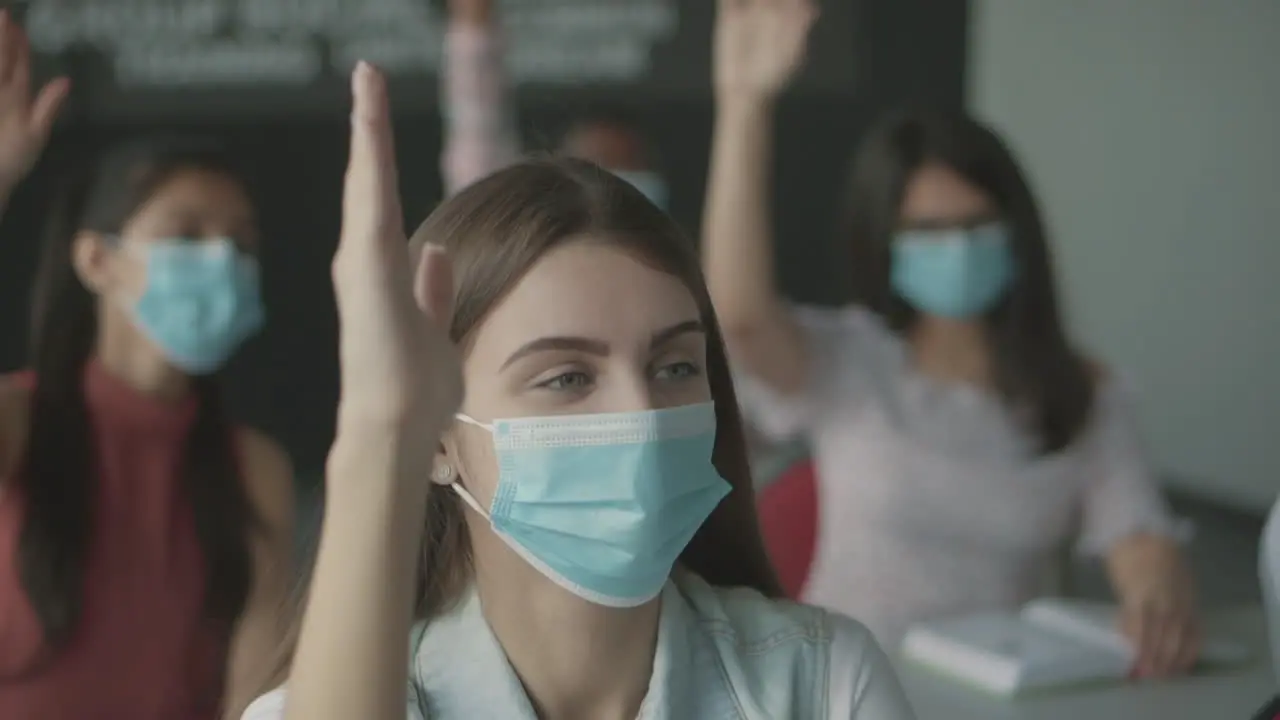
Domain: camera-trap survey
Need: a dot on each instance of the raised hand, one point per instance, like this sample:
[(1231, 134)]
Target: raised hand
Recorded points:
[(759, 45), (398, 366), (25, 121)]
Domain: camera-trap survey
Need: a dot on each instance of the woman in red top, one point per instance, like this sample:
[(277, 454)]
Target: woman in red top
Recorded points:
[(143, 538)]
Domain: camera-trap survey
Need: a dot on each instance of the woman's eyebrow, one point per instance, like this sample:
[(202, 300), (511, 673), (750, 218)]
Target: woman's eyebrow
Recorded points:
[(595, 346)]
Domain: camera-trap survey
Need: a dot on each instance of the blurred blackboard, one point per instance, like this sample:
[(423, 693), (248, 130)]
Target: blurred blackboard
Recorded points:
[(294, 139), (143, 57)]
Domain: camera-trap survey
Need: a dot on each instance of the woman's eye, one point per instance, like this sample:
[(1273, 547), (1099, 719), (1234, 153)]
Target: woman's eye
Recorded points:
[(575, 380), (678, 371)]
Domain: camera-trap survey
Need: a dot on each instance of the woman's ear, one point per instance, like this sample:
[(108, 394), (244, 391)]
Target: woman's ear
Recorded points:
[(90, 257), (444, 469)]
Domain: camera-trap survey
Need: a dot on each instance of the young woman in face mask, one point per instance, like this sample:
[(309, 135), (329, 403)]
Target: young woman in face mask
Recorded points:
[(144, 538), (961, 440), (480, 129), (578, 538)]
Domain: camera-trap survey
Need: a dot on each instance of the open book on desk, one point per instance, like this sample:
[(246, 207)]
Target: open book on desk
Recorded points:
[(1050, 643)]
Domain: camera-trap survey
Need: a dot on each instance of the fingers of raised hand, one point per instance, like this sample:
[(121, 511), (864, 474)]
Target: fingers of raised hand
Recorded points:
[(47, 104), (371, 212), (773, 9), (15, 59)]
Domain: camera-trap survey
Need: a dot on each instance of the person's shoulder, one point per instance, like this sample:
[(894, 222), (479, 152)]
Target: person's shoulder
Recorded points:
[(794, 648), (1114, 391), (846, 328), (273, 705), (750, 616), (861, 680), (270, 706), (1105, 379), (852, 644), (747, 617)]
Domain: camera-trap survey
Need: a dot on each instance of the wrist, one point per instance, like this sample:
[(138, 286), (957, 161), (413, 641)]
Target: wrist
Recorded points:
[(740, 108), (392, 453), (1143, 562), (470, 23), (745, 101)]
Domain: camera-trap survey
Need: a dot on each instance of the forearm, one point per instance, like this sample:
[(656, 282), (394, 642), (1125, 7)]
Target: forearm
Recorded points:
[(738, 222), (351, 659), (1135, 562)]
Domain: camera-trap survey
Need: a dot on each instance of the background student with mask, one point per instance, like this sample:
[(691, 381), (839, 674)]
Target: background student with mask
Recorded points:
[(579, 541), (144, 538), (480, 123), (960, 438)]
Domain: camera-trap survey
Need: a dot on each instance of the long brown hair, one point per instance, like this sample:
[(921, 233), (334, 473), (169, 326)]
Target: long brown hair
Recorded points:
[(56, 474), (495, 231), (1037, 371)]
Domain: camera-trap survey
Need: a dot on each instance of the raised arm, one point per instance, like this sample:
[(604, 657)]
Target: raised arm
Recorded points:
[(25, 119), (475, 103), (759, 44), (401, 384)]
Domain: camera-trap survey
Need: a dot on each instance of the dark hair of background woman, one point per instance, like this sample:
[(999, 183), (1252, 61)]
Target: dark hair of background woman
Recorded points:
[(1042, 380), (56, 474)]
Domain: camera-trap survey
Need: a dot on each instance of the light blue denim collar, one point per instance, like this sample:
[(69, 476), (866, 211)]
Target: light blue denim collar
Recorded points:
[(460, 670)]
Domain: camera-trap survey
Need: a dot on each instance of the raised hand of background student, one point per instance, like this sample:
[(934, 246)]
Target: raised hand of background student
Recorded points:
[(26, 117), (759, 45)]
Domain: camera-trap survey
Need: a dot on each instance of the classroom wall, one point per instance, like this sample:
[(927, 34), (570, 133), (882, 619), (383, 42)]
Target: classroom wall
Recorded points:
[(1149, 128)]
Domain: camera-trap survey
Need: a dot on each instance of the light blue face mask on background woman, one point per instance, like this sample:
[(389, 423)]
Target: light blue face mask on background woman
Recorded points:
[(603, 505), (649, 183), (955, 273), (201, 302)]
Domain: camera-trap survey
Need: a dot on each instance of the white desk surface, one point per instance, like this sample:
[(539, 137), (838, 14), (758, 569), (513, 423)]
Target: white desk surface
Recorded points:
[(1228, 695)]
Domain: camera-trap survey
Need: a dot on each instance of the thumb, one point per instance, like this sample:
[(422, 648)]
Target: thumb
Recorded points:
[(47, 104), (433, 284)]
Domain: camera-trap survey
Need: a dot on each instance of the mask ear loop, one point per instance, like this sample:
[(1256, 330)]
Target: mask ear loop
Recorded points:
[(462, 492), (468, 498), (472, 421)]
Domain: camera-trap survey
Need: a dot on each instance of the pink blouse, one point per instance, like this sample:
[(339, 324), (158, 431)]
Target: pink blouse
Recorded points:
[(931, 501)]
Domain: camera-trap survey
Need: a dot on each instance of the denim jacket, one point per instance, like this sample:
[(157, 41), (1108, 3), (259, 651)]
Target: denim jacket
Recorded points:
[(722, 654)]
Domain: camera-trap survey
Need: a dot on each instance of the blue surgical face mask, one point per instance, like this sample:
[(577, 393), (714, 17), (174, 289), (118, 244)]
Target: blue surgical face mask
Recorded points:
[(956, 273), (649, 183), (200, 303), (603, 505)]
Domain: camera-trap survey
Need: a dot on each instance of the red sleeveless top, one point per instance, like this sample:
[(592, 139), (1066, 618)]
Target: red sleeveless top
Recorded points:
[(141, 649)]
